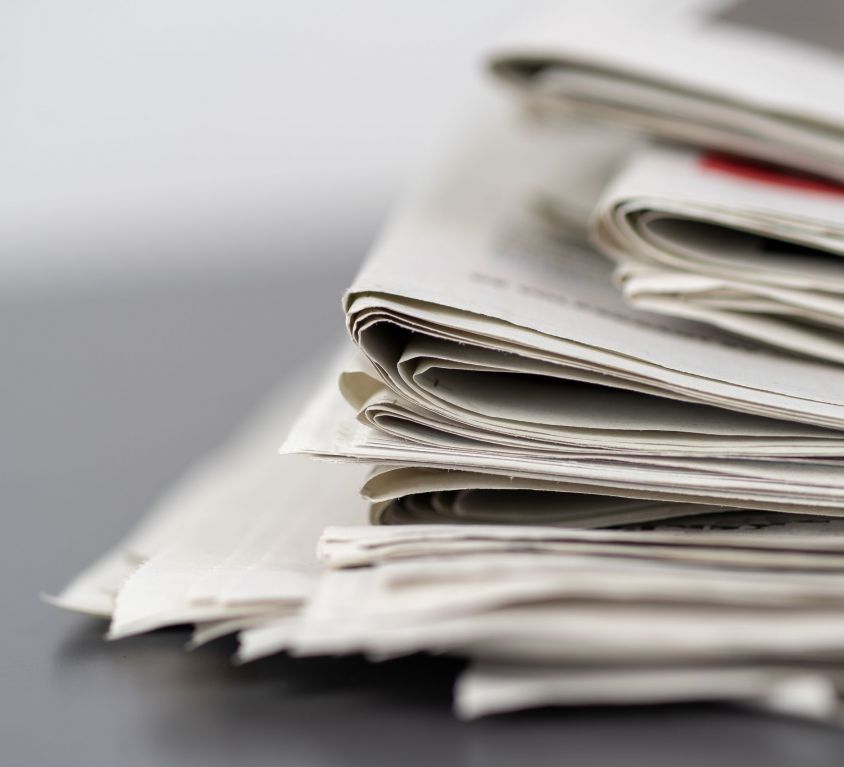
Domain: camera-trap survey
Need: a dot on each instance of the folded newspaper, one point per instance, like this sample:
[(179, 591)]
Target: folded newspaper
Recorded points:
[(753, 248), (594, 496), (757, 78)]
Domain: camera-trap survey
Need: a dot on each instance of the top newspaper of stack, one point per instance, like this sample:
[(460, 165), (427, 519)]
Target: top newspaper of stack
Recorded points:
[(748, 246), (760, 78), (497, 349)]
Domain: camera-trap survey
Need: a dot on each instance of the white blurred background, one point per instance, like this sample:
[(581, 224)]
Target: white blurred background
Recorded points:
[(168, 135)]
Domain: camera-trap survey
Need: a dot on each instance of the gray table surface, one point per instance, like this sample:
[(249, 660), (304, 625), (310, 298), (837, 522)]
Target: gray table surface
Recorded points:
[(107, 394)]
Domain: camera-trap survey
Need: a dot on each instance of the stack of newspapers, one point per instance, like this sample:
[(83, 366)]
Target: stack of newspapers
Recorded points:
[(588, 430)]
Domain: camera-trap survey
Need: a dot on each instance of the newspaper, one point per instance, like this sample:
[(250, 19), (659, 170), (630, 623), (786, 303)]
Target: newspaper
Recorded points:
[(535, 414), (493, 688), (562, 620), (745, 76), (463, 293), (234, 543), (328, 429), (751, 249), (734, 540)]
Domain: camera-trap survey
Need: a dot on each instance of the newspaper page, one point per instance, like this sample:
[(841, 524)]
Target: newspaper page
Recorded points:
[(752, 77)]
